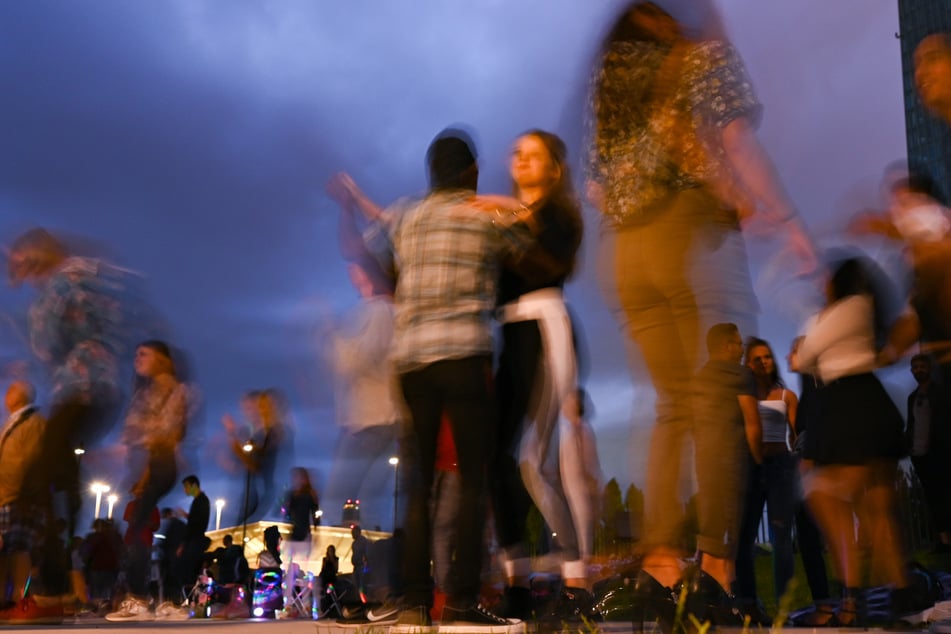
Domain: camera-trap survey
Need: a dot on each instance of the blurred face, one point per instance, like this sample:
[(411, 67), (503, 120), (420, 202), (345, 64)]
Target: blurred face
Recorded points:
[(761, 361), (921, 370), (149, 363), (933, 72), (532, 165)]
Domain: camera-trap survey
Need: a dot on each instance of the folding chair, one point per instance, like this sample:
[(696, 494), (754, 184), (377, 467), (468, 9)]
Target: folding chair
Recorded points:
[(334, 597), (301, 596)]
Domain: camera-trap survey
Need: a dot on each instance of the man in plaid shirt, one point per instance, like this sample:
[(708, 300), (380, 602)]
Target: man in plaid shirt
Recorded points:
[(446, 250)]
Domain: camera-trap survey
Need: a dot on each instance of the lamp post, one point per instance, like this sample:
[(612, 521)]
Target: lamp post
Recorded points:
[(395, 462), (112, 499), (219, 504), (99, 488), (247, 448)]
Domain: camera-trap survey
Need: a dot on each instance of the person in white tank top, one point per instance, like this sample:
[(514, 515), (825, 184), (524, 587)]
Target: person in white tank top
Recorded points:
[(772, 483)]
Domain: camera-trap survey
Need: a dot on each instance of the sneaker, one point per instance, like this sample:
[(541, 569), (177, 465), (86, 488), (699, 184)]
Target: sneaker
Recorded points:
[(461, 619), (168, 611), (414, 620), (132, 609), (28, 611), (388, 612)]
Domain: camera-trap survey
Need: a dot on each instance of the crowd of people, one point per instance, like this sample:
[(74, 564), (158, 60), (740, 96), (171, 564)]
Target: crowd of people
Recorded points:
[(490, 429)]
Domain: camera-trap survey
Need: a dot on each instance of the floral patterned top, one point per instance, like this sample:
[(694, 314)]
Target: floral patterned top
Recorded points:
[(158, 415), (656, 117), (74, 327)]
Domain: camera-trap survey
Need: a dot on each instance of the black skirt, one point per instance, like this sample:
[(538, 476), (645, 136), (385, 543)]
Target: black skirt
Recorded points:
[(856, 422)]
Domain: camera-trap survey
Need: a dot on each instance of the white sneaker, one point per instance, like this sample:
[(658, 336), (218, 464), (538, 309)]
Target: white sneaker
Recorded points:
[(132, 609), (168, 611)]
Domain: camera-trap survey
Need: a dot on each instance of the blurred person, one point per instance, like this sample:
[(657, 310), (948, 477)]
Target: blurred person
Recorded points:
[(726, 429), (329, 566), (676, 170), (21, 518), (300, 506), (137, 541), (173, 531), (155, 425), (771, 482), (266, 433), (808, 537), (76, 327), (366, 394), (536, 374), (932, 62), (856, 442), (190, 553), (449, 248), (270, 557), (232, 564), (103, 559), (359, 560), (928, 439)]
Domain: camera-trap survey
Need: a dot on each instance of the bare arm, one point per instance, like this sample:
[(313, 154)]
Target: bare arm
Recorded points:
[(758, 175), (792, 407), (752, 425), (345, 191)]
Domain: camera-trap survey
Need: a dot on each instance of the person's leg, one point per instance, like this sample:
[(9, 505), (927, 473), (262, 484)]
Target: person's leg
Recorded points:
[(753, 499), (446, 506), (830, 492), (811, 551), (580, 479), (660, 314), (780, 473), (721, 457), (470, 406), (514, 382), (424, 399), (879, 507)]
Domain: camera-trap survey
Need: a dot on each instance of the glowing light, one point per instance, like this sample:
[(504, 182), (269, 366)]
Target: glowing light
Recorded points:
[(79, 451), (112, 499), (219, 504), (98, 488), (247, 447), (394, 460)]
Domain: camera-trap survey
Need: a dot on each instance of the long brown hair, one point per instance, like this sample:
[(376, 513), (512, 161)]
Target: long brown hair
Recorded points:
[(562, 193)]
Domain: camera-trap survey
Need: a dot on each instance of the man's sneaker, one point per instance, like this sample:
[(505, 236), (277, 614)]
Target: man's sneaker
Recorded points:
[(27, 611), (168, 611), (132, 609), (414, 620), (386, 613), (464, 618)]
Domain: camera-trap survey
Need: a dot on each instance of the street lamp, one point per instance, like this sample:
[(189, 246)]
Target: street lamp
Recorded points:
[(395, 463), (99, 488), (112, 499), (247, 448), (219, 504)]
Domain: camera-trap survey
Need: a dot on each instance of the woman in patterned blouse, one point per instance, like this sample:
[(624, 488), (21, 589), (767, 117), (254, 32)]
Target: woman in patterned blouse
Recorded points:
[(675, 167)]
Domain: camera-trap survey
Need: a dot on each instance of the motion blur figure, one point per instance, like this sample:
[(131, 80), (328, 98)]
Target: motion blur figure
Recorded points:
[(259, 444), (856, 440), (537, 374), (155, 425), (675, 168), (75, 326), (365, 396)]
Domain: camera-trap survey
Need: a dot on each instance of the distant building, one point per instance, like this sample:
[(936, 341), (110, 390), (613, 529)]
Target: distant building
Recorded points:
[(351, 513), (929, 140)]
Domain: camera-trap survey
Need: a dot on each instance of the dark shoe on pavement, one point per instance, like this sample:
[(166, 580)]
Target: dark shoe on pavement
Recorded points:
[(473, 614), (708, 602), (386, 613), (573, 605)]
